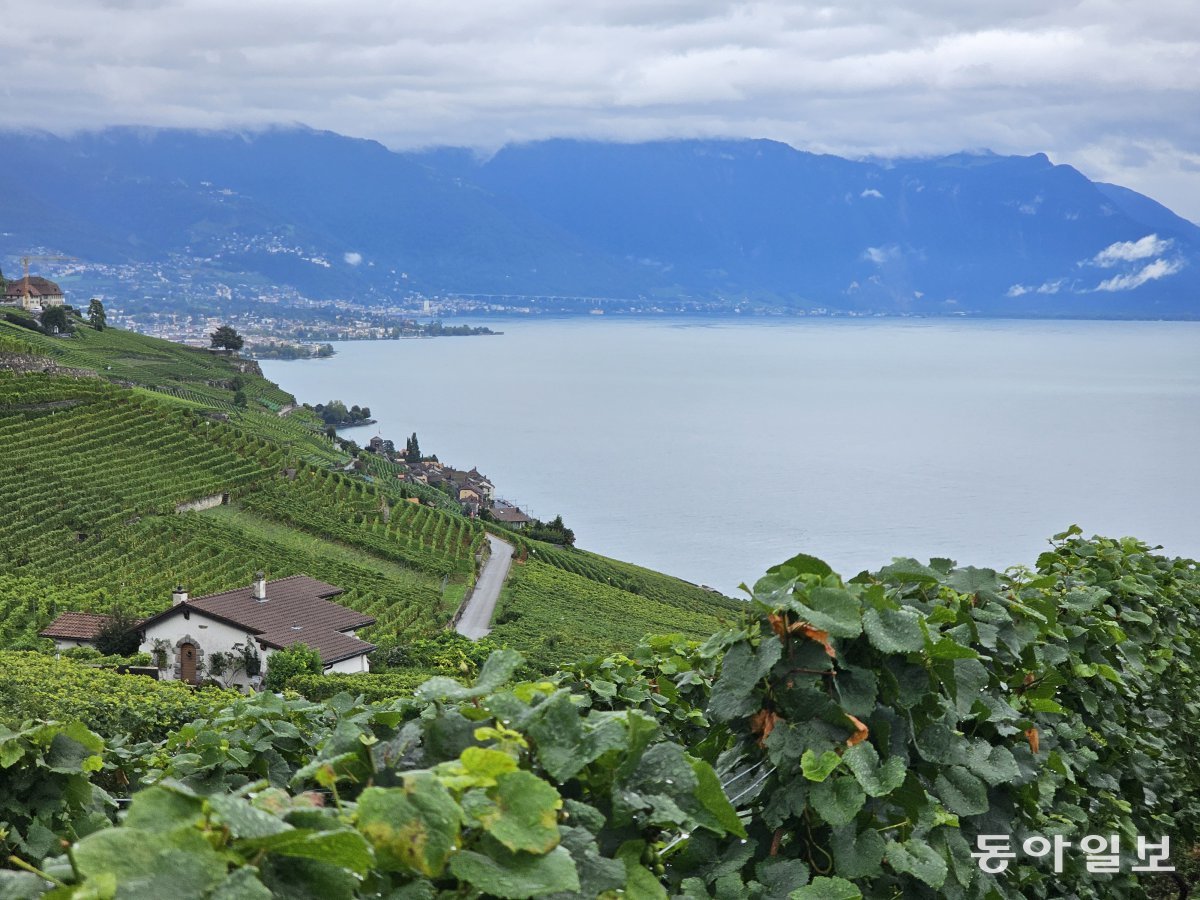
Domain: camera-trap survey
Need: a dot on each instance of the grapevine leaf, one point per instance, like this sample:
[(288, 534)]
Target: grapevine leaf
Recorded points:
[(803, 564), (823, 888), (596, 873), (515, 876), (345, 849), (149, 866), (948, 648), (741, 671), (712, 797), (970, 580), (75, 749), (818, 768), (164, 807), (781, 876), (963, 793), (565, 744), (521, 812), (994, 764), (915, 857), (877, 779), (834, 610), (837, 800), (243, 820), (894, 630), (938, 744), (857, 854), (412, 827), (909, 570), (496, 671), (22, 885), (970, 679), (241, 884), (305, 879)]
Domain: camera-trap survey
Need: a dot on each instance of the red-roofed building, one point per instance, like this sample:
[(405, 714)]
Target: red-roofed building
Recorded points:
[(40, 292), (265, 616), (74, 629)]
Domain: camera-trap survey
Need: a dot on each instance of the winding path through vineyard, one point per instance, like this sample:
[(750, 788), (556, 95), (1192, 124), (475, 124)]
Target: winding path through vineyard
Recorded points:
[(476, 620)]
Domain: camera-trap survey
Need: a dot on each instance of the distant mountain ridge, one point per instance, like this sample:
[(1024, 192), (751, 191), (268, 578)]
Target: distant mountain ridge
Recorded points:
[(745, 222)]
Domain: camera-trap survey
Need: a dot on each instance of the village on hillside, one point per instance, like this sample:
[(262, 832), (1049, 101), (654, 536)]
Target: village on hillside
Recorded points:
[(474, 491)]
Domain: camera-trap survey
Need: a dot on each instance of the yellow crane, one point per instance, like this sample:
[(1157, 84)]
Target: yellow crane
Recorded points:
[(25, 261)]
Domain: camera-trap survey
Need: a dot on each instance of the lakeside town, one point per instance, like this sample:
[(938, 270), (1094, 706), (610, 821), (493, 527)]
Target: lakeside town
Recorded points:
[(472, 491), (183, 298)]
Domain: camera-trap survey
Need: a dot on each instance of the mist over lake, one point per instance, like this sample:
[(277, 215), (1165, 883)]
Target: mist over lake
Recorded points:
[(714, 449)]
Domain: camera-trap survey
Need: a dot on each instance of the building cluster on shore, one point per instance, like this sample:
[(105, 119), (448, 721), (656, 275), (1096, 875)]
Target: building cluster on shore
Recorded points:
[(473, 490)]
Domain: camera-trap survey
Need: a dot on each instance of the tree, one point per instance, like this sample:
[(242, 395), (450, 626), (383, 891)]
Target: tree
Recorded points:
[(96, 315), (239, 398), (118, 636), (298, 659), (226, 337), (55, 319), (412, 449)]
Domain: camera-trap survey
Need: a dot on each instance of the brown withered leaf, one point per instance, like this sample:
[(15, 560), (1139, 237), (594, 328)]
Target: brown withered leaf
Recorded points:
[(816, 634), (778, 625), (860, 731), (1031, 735), (762, 723)]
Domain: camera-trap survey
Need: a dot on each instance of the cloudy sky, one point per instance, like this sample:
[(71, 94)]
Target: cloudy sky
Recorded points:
[(1109, 86)]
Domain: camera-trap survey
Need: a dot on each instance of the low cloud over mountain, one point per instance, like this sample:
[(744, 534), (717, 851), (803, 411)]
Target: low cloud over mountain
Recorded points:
[(733, 221)]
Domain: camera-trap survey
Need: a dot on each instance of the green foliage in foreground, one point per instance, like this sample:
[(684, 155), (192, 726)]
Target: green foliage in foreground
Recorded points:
[(38, 687), (298, 659), (841, 740)]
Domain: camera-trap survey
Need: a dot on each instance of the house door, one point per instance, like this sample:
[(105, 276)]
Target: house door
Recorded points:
[(187, 663)]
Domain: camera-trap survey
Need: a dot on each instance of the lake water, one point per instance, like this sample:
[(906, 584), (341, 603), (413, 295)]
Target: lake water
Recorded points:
[(714, 449)]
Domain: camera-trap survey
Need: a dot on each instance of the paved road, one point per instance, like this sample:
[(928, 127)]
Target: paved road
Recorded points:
[(476, 620)]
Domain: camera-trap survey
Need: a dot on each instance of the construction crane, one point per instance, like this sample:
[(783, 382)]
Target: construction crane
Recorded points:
[(25, 261)]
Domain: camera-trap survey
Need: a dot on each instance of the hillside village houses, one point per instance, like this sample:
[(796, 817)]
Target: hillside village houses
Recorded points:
[(473, 490), (248, 623), (34, 291)]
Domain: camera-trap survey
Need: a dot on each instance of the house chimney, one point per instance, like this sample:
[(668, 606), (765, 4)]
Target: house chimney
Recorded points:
[(179, 595), (260, 587)]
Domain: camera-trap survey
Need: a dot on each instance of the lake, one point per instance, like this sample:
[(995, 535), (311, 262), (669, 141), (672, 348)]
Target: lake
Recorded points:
[(714, 449)]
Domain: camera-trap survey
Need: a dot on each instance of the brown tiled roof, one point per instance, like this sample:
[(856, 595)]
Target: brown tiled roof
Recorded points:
[(76, 626), (296, 611), (38, 287), (507, 514)]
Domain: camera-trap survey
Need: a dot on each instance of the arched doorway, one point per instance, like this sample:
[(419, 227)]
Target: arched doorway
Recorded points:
[(187, 663)]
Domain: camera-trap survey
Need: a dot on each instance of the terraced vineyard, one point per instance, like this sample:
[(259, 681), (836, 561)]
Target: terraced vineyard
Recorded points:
[(92, 474), (353, 512), (551, 614), (184, 377), (139, 563), (624, 576), (79, 456), (90, 480)]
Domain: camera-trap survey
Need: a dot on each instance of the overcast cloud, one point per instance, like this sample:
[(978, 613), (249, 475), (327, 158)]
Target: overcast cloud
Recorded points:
[(1110, 87)]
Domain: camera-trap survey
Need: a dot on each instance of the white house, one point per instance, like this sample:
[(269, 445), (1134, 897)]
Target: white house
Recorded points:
[(34, 291), (265, 617)]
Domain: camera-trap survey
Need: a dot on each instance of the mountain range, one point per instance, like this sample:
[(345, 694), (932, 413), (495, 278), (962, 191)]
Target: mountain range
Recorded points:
[(748, 224)]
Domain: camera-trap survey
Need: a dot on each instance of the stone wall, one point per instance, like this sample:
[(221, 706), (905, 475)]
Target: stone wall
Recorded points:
[(203, 503), (27, 363)]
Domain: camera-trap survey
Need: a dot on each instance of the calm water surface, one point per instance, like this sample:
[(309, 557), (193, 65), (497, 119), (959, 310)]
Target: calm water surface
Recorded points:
[(712, 450)]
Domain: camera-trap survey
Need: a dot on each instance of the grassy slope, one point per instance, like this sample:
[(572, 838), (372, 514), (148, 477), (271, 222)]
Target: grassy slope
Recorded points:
[(91, 473)]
